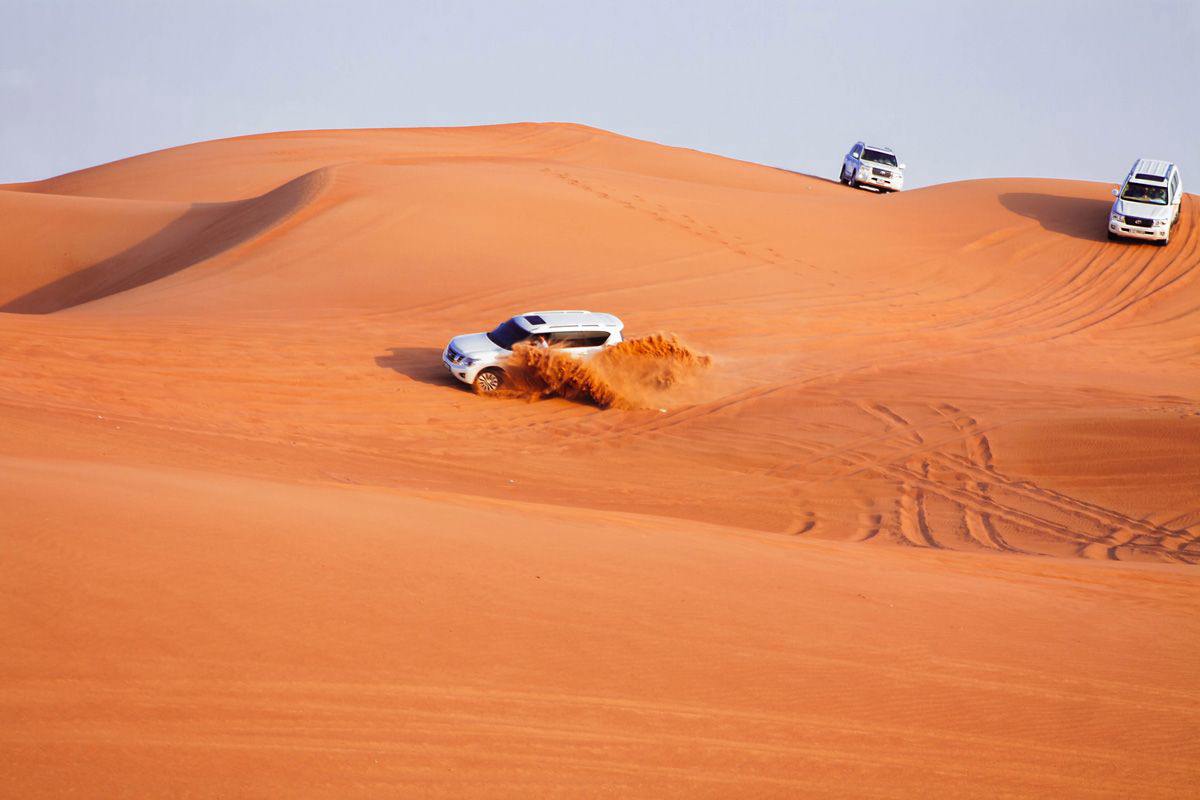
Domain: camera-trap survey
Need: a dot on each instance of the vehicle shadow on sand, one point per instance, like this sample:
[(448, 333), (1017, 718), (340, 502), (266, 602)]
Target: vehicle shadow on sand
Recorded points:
[(422, 364), (1080, 217)]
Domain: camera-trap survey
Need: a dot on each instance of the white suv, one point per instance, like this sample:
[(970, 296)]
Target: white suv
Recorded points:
[(1147, 204), (869, 165), (477, 359)]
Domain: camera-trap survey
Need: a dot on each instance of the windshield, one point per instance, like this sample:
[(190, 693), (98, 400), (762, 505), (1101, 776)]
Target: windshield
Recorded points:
[(1145, 193), (879, 158), (508, 334)]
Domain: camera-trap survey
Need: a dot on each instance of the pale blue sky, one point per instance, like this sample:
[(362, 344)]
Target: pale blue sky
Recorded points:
[(960, 89)]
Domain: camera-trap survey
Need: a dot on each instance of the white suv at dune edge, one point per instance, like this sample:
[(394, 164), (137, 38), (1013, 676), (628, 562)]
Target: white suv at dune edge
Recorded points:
[(1148, 202), (870, 165), (477, 359)]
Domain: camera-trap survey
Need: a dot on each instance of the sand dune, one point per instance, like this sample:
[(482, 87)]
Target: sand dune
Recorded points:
[(195, 233), (927, 523)]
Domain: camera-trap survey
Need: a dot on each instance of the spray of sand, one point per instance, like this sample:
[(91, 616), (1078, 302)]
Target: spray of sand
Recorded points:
[(643, 372)]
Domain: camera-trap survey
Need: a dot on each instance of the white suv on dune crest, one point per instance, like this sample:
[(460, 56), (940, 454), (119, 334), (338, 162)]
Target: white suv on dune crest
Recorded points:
[(870, 165), (1148, 202), (477, 359)]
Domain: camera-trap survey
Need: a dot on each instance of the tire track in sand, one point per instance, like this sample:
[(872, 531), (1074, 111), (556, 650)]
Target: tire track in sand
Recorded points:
[(986, 496), (978, 523), (913, 520)]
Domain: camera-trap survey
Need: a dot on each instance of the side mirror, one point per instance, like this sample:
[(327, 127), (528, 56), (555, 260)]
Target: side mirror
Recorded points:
[(1116, 192), (904, 166)]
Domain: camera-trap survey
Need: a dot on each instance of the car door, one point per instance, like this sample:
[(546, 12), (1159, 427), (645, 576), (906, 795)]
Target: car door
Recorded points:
[(854, 160)]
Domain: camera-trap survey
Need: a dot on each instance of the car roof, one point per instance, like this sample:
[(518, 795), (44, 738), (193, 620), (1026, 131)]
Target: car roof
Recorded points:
[(878, 147), (1151, 168), (539, 321)]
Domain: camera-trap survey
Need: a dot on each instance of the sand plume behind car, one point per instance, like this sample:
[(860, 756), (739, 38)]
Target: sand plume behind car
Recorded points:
[(639, 372)]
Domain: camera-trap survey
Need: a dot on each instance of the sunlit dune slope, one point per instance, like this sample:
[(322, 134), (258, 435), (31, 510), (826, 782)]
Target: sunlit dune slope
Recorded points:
[(925, 524), (241, 637)]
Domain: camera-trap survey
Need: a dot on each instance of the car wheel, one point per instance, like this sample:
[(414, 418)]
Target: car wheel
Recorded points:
[(489, 381), (1163, 242), (853, 181), (842, 174), (1112, 237)]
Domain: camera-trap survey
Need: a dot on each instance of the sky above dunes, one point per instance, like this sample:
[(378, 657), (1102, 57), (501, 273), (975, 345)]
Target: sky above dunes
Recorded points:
[(960, 90)]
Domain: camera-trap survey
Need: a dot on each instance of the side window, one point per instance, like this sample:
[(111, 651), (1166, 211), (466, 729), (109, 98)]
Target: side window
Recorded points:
[(1175, 186), (580, 338)]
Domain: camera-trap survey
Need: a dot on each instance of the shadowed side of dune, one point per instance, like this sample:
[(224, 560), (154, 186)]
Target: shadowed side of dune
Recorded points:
[(206, 230), (1080, 217)]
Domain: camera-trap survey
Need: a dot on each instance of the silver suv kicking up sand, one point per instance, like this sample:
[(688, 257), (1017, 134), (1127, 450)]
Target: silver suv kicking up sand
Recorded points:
[(477, 359)]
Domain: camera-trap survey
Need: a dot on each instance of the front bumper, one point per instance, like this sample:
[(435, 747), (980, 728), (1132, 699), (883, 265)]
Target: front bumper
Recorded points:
[(894, 183), (462, 372), (1137, 231)]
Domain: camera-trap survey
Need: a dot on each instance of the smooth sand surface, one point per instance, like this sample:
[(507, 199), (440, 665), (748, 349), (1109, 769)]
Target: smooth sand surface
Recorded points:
[(927, 526)]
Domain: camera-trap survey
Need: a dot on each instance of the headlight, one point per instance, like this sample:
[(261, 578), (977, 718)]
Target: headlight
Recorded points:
[(467, 361), (1117, 218), (1160, 223)]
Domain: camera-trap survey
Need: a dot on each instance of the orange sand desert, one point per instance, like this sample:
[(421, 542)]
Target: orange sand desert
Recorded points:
[(927, 526)]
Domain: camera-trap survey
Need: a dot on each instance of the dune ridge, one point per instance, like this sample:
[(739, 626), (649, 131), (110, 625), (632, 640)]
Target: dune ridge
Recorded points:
[(201, 233), (934, 496)]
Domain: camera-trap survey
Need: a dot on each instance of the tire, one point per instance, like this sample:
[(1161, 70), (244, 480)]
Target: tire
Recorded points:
[(842, 175), (1112, 237), (1162, 242), (853, 181), (489, 381)]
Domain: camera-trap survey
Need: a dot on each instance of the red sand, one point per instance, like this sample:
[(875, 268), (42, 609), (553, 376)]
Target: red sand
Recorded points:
[(928, 526)]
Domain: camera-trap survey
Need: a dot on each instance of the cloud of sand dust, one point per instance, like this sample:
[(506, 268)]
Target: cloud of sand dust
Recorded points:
[(643, 372)]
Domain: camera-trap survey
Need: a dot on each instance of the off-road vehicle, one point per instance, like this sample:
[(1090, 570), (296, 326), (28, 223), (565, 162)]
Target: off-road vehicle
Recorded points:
[(1148, 202), (478, 359), (871, 165)]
